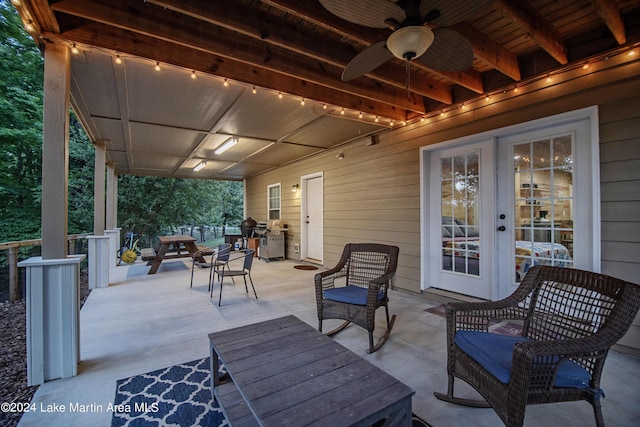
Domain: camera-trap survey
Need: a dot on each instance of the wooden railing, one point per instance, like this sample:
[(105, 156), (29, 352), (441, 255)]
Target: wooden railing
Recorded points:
[(11, 249)]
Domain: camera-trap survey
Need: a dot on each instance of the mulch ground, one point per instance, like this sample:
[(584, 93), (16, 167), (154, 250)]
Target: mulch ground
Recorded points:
[(13, 354)]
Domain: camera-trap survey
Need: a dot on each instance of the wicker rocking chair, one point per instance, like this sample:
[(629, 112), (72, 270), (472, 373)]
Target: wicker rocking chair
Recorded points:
[(570, 317), (356, 287)]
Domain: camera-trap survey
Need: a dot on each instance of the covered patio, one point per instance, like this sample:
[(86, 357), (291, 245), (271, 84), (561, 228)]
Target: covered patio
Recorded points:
[(143, 323)]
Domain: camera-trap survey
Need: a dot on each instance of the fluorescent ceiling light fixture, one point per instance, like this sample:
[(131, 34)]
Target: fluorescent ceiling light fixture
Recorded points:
[(199, 166), (226, 145)]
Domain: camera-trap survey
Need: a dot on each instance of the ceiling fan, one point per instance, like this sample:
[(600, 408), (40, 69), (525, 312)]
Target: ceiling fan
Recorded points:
[(440, 48)]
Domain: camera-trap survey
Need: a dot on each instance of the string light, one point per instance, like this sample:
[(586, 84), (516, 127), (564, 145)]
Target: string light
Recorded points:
[(254, 91), (548, 78), (302, 102), (29, 26), (324, 106), (487, 98), (157, 67), (74, 49), (360, 115), (342, 111), (193, 75), (226, 83), (280, 95), (585, 66), (118, 60), (377, 119)]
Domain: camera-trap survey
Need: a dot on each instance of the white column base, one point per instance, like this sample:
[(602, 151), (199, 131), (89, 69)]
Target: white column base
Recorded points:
[(114, 245), (53, 318), (99, 249)]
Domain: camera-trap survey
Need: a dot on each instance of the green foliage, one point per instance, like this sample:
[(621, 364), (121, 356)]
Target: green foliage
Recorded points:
[(147, 205), (21, 81), (151, 206)]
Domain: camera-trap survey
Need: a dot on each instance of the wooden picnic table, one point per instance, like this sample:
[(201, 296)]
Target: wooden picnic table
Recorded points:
[(171, 247)]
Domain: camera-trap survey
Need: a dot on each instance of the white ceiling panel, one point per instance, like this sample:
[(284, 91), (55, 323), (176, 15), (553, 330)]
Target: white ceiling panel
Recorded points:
[(164, 140)]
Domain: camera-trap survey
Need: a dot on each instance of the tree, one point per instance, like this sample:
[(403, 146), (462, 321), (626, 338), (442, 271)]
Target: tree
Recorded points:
[(151, 206), (21, 82), (147, 205)]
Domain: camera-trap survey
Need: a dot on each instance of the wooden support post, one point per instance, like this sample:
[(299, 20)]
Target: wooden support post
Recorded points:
[(14, 290)]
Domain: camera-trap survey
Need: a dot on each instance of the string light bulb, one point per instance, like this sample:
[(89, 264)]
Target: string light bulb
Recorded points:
[(74, 49), (118, 60), (254, 91), (226, 83), (360, 115), (29, 26), (342, 111), (302, 102), (376, 119), (324, 106), (193, 75), (280, 95), (157, 67)]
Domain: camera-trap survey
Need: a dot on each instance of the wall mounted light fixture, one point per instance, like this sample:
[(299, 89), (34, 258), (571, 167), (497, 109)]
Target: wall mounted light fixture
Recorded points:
[(200, 166), (294, 188), (340, 156)]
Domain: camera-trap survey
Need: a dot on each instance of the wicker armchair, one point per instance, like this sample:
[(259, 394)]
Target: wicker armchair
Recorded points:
[(570, 319), (356, 287)]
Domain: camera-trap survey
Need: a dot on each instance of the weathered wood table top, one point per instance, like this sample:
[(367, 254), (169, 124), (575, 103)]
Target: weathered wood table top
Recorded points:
[(286, 373)]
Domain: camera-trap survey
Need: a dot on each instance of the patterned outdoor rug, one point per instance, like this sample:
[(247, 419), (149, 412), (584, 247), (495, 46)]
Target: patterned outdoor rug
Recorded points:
[(502, 328), (179, 395), (176, 396)]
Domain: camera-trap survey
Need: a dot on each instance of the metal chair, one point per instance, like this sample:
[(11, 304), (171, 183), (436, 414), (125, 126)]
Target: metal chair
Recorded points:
[(356, 287), (208, 251), (570, 317), (223, 269)]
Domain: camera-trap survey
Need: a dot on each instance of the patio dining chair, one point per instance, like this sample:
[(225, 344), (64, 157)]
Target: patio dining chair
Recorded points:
[(213, 252), (228, 269), (356, 287), (570, 319)]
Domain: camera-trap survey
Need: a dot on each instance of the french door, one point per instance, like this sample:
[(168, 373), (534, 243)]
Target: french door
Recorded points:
[(498, 203), (462, 187)]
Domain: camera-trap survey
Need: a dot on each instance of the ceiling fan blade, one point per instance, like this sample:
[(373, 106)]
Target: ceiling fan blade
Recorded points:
[(370, 13), (367, 61), (450, 51), (451, 11)]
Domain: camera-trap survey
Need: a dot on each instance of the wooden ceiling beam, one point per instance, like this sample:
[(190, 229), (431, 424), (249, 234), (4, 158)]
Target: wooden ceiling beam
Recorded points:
[(126, 42), (490, 52), (610, 14), (313, 12), (233, 46), (259, 26), (523, 14)]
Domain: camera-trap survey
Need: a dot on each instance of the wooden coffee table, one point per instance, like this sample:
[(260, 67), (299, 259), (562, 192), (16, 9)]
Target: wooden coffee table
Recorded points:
[(285, 372)]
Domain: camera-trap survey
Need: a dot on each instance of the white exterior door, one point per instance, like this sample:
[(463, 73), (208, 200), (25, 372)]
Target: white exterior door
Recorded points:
[(312, 218), (545, 201), (497, 203), (462, 198)]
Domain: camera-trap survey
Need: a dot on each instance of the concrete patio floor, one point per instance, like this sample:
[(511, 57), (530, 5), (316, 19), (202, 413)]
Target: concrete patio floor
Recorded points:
[(141, 323)]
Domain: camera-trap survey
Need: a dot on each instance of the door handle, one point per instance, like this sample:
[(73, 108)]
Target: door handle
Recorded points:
[(502, 228)]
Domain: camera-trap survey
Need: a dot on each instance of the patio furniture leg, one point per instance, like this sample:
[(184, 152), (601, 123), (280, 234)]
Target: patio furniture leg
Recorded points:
[(383, 339), (336, 330), (449, 397), (254, 288)]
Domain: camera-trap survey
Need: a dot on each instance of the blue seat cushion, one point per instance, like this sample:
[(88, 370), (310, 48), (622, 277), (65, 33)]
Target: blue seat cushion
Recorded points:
[(495, 353), (350, 295)]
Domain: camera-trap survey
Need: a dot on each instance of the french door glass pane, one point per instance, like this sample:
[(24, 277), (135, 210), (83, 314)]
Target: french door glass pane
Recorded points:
[(460, 207), (543, 178)]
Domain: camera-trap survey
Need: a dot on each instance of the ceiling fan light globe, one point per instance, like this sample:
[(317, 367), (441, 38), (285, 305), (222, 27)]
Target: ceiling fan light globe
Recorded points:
[(410, 42)]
